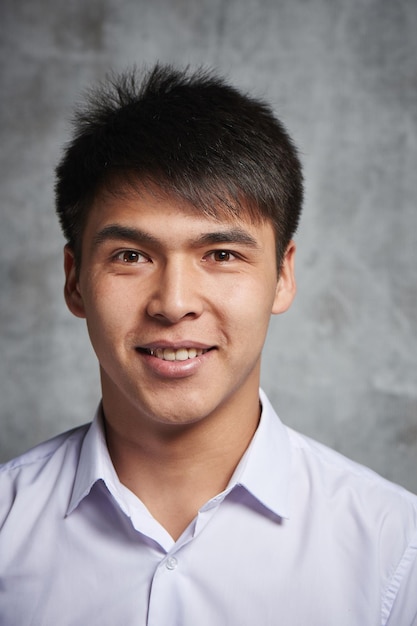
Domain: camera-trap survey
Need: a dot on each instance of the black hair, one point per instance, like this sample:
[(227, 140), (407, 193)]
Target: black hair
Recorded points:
[(188, 134)]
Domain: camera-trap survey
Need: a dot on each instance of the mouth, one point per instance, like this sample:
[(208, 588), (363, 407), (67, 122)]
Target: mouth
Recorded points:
[(171, 354)]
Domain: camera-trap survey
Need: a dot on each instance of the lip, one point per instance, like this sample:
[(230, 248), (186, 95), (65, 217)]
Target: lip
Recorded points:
[(177, 345), (174, 369)]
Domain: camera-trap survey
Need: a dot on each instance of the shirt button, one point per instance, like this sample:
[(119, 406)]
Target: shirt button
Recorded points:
[(171, 563)]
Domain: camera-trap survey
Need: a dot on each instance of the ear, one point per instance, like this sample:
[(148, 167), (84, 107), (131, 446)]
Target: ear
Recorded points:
[(72, 291), (286, 287)]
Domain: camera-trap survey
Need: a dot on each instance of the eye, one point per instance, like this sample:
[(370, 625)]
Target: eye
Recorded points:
[(222, 256), (131, 257)]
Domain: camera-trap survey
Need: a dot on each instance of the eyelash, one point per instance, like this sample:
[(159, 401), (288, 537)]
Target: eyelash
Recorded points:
[(122, 254), (230, 255)]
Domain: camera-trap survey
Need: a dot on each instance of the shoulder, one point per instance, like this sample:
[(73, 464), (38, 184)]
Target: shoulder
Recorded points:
[(335, 474), (350, 498), (357, 507), (321, 477), (41, 453), (39, 467)]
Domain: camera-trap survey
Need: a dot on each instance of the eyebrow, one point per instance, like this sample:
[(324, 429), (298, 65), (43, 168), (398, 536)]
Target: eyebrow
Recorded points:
[(140, 237), (124, 233), (234, 235)]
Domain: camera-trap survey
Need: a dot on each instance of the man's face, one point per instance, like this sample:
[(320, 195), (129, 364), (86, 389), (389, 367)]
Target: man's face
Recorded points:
[(177, 306)]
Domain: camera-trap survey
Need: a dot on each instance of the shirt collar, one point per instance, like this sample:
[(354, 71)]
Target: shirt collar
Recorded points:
[(264, 470), (94, 464)]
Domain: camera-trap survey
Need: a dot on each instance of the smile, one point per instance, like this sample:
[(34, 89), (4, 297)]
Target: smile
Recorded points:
[(181, 354)]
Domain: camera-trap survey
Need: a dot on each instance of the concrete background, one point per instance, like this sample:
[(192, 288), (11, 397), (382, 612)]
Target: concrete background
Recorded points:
[(342, 364)]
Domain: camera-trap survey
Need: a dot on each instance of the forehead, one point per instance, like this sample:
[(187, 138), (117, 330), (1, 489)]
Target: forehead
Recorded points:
[(155, 208)]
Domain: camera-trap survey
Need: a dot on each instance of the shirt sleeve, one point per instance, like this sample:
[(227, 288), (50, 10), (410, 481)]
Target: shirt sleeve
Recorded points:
[(400, 606)]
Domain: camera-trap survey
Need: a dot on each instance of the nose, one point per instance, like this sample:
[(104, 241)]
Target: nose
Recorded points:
[(176, 293)]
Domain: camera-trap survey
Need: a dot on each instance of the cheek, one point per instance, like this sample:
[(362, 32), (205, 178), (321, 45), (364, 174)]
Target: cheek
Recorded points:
[(246, 312), (250, 299), (108, 315)]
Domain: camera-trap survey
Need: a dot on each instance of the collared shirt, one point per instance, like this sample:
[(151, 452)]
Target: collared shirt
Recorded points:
[(300, 536)]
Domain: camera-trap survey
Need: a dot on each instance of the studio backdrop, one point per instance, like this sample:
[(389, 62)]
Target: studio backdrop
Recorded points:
[(341, 364)]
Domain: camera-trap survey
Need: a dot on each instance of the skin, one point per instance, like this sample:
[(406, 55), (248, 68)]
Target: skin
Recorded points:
[(157, 275)]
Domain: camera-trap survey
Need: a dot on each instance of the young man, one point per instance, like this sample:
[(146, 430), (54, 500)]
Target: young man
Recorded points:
[(187, 502)]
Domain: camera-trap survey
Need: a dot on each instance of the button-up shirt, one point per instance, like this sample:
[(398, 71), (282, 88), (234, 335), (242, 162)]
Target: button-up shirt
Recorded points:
[(301, 535)]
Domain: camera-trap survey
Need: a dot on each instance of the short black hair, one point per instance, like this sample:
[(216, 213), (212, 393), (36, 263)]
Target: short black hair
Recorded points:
[(189, 134)]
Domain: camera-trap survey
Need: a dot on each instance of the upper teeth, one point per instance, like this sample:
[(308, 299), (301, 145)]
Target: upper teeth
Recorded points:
[(182, 354)]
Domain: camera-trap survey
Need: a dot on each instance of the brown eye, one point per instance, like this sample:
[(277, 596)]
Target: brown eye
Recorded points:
[(130, 257), (222, 255)]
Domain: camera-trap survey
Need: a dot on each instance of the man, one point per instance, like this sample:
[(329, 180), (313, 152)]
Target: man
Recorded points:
[(187, 502)]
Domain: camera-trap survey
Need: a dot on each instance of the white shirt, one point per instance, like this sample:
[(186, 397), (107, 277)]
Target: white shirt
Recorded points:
[(300, 537)]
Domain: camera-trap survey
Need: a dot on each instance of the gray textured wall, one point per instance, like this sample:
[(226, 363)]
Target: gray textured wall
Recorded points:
[(342, 364)]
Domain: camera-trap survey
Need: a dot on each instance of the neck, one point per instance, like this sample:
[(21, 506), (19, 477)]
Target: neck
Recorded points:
[(174, 470)]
